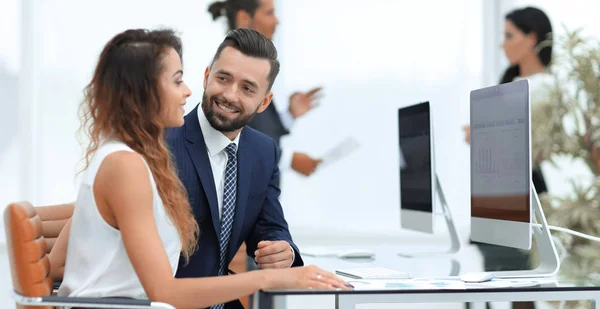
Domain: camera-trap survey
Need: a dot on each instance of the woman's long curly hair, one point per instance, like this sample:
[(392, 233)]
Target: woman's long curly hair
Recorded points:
[(122, 102)]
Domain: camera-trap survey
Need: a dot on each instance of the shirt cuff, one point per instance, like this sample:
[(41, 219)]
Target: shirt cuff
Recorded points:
[(293, 255), (287, 119), (285, 161)]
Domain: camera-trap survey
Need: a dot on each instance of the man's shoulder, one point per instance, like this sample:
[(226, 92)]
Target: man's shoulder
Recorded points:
[(174, 134), (258, 139), (178, 133)]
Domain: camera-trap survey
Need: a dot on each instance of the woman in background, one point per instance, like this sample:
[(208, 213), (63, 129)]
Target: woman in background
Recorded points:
[(528, 47), (132, 220)]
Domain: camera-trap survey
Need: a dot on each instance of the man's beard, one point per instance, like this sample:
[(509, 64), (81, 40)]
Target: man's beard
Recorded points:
[(222, 123)]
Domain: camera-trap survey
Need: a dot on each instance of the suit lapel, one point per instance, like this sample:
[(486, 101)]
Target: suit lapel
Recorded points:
[(196, 147), (243, 188)]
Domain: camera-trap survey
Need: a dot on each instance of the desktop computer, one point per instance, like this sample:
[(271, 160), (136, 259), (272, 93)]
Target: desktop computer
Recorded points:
[(419, 184), (419, 188), (504, 203), (505, 209)]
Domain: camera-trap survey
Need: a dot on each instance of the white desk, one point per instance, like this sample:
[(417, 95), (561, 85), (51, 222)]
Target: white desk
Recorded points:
[(562, 289)]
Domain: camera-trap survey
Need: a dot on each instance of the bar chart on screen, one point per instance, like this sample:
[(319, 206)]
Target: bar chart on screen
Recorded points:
[(495, 169)]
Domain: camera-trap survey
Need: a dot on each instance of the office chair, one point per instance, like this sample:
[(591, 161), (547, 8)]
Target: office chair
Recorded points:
[(30, 267)]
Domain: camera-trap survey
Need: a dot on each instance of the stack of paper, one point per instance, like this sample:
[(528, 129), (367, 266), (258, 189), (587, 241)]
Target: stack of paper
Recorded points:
[(341, 150)]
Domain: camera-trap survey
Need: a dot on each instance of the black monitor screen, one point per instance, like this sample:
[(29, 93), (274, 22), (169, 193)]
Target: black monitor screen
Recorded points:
[(415, 157)]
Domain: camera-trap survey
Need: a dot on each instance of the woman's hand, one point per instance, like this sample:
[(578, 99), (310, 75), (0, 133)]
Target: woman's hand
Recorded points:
[(308, 277)]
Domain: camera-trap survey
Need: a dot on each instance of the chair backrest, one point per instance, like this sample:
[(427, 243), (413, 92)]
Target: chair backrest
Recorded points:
[(54, 219), (27, 252)]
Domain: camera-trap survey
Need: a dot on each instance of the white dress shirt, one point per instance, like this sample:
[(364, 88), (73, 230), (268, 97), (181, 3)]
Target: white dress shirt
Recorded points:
[(216, 142)]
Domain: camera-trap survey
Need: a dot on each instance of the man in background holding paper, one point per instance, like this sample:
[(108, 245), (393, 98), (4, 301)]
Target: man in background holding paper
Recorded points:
[(259, 15)]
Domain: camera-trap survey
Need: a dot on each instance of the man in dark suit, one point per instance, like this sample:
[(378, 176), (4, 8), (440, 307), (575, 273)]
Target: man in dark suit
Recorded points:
[(259, 15), (230, 170)]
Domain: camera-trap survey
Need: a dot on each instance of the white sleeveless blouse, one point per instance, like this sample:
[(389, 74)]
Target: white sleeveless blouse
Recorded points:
[(97, 264)]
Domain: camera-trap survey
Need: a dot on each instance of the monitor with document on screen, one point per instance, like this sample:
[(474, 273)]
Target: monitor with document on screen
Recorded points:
[(501, 211)]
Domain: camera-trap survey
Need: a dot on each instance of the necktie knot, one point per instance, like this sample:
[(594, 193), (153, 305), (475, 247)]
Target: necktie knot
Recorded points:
[(231, 150)]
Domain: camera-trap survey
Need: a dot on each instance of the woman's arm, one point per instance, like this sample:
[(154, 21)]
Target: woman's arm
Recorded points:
[(58, 254), (124, 197)]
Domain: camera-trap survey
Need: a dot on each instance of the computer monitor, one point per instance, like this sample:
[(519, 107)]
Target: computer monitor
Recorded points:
[(419, 182), (505, 209), (417, 171), (501, 211)]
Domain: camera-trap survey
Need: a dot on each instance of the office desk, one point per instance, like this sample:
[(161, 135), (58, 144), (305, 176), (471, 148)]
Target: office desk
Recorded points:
[(564, 287)]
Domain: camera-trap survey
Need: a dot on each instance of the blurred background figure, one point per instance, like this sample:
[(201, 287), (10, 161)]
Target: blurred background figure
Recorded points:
[(528, 48), (260, 16)]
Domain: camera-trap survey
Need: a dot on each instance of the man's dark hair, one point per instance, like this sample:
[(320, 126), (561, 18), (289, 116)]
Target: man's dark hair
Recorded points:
[(229, 8), (253, 44)]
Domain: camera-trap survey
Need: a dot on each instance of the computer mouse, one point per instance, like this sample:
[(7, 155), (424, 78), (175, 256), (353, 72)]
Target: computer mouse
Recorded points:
[(477, 277), (355, 254)]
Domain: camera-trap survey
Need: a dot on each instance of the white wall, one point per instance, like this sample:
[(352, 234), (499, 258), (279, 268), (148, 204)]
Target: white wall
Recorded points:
[(372, 59), (9, 125), (70, 36), (9, 148)]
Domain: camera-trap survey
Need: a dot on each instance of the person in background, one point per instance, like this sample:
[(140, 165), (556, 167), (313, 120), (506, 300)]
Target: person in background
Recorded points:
[(132, 220), (528, 47), (259, 15)]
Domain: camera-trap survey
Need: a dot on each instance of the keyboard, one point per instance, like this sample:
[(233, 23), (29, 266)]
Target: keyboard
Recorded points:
[(372, 273)]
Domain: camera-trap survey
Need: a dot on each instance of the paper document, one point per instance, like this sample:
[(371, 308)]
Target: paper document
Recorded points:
[(373, 273), (406, 284), (341, 150), (503, 283), (402, 160), (450, 283)]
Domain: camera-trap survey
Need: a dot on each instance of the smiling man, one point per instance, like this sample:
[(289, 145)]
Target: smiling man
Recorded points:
[(230, 170)]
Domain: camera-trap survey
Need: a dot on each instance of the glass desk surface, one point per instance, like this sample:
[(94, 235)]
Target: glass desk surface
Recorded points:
[(439, 274)]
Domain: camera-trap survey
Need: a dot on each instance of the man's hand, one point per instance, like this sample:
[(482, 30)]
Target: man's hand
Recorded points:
[(302, 102), (273, 254), (304, 164), (467, 130)]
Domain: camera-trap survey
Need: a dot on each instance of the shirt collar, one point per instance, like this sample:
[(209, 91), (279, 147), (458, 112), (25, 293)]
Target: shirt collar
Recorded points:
[(214, 139)]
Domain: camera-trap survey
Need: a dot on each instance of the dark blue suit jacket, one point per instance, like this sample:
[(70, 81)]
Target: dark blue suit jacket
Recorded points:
[(258, 214), (269, 123)]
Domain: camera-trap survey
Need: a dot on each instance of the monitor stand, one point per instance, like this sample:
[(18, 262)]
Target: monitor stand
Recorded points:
[(454, 242), (549, 260)]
